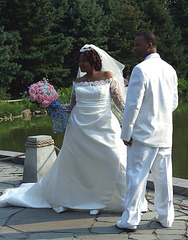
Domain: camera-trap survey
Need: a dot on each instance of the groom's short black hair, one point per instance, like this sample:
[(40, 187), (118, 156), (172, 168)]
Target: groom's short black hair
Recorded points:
[(149, 37)]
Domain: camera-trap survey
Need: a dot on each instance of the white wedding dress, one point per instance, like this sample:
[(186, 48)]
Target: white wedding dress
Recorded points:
[(89, 172)]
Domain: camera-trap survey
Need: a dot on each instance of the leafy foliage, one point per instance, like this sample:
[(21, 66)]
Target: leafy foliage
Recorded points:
[(179, 13), (8, 53), (168, 35), (42, 48), (122, 30), (85, 22), (65, 94), (41, 38), (14, 109), (182, 87)]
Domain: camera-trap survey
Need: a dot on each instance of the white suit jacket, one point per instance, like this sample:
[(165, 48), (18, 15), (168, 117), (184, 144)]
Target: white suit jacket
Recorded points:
[(152, 96)]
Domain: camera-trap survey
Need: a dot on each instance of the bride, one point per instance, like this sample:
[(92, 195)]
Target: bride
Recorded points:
[(89, 172)]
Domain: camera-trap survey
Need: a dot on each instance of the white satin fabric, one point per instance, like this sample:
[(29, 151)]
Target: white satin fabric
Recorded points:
[(160, 163), (152, 96), (89, 172)]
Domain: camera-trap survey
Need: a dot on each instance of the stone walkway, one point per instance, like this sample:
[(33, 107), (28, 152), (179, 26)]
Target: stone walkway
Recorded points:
[(27, 223)]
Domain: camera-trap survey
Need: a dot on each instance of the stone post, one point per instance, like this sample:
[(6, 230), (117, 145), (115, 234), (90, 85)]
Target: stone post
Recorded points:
[(39, 157)]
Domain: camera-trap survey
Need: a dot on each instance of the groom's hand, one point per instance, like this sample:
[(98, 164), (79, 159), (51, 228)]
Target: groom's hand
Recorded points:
[(128, 143)]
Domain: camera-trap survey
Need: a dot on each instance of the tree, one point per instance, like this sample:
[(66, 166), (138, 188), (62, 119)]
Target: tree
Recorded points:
[(42, 37), (161, 23), (42, 48), (125, 21), (85, 22), (179, 13), (9, 42)]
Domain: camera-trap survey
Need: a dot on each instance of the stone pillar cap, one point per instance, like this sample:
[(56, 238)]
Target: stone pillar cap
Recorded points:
[(39, 138)]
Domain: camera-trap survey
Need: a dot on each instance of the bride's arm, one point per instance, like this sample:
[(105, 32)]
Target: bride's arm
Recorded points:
[(116, 94), (68, 107)]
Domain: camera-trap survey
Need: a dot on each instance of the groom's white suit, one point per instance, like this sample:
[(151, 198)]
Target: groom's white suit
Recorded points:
[(151, 99)]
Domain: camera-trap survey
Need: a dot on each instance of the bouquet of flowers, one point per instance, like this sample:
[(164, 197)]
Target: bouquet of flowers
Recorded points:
[(45, 94)]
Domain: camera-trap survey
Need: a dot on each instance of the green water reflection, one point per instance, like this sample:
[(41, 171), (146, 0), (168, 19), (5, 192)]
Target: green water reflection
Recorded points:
[(13, 135), (180, 140)]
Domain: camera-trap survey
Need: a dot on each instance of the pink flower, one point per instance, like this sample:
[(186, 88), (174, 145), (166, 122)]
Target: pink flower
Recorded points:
[(40, 90), (55, 96), (32, 85), (39, 98), (45, 96), (51, 98), (35, 86), (49, 88), (45, 103), (40, 84), (32, 90), (32, 96)]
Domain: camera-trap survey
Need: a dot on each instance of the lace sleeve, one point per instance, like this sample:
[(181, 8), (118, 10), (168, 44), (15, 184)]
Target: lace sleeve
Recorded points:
[(116, 94), (68, 107)]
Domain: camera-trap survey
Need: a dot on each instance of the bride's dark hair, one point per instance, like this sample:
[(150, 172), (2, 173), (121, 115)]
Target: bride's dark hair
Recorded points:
[(93, 58)]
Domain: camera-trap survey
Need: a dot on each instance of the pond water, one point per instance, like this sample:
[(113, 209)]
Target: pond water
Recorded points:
[(13, 135), (180, 140)]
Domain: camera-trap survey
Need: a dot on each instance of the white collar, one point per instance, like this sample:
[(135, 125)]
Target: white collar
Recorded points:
[(152, 55)]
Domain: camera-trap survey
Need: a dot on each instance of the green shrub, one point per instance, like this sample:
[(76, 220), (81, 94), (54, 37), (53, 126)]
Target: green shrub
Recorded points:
[(15, 108), (3, 94), (6, 109), (182, 87), (65, 94), (33, 106)]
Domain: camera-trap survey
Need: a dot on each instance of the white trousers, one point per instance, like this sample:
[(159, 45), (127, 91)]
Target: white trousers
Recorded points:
[(140, 160)]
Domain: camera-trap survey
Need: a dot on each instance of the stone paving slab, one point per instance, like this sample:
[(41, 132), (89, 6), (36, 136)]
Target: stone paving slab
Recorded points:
[(104, 237), (48, 220), (29, 223), (47, 224)]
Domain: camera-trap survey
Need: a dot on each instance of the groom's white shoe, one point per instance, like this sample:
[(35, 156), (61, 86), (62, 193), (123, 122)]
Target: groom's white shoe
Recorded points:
[(165, 226), (126, 228)]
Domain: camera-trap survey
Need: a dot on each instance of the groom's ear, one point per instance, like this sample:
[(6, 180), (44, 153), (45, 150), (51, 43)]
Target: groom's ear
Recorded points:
[(150, 45), (151, 48)]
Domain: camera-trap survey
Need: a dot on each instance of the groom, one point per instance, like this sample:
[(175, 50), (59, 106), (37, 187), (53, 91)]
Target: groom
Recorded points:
[(147, 131)]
